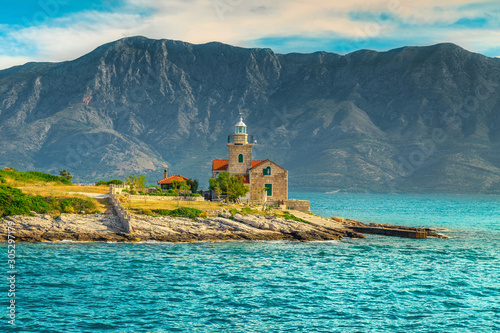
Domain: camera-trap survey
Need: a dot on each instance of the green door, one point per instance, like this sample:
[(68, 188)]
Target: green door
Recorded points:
[(269, 189)]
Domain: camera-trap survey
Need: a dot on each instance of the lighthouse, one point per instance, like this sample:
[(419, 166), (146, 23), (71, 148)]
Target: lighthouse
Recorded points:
[(240, 150), (268, 182)]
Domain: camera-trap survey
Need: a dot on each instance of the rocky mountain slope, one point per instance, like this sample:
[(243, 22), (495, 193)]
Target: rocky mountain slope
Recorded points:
[(415, 119)]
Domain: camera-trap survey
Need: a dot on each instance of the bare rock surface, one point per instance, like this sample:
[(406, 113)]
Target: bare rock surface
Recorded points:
[(106, 227)]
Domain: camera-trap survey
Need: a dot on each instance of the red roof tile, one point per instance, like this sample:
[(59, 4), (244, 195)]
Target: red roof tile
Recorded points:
[(219, 165), (168, 180), (255, 163)]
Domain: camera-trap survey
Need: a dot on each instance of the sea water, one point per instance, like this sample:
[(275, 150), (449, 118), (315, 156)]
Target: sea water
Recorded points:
[(377, 284)]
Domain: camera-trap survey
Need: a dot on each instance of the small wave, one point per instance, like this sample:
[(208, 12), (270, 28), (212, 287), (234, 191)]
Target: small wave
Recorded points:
[(332, 241)]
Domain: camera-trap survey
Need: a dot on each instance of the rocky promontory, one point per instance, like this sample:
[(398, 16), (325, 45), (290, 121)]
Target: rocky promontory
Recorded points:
[(224, 227)]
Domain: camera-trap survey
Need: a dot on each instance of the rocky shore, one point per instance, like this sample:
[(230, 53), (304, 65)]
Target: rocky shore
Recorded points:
[(389, 229), (106, 227)]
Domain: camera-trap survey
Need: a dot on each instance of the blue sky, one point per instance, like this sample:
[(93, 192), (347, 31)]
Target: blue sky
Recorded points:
[(56, 30)]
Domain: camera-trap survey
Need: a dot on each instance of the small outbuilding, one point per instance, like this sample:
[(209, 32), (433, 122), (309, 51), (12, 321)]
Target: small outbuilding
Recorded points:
[(166, 182)]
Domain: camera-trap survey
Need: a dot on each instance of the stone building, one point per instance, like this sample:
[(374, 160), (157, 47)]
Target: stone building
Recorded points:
[(267, 180), (166, 183)]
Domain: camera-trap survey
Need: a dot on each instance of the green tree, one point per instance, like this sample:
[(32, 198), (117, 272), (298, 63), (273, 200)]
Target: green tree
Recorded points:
[(180, 187), (65, 174), (194, 185), (135, 181), (232, 186), (109, 182)]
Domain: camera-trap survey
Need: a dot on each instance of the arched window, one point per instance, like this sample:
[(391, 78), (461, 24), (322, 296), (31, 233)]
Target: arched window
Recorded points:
[(267, 171), (240, 158)]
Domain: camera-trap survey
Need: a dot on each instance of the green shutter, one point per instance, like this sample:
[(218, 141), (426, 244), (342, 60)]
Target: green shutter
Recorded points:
[(240, 158), (269, 189)]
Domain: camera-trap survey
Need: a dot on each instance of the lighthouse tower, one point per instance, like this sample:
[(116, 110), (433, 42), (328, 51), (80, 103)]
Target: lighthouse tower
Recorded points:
[(240, 150)]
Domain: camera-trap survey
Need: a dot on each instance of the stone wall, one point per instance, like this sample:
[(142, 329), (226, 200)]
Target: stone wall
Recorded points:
[(165, 198), (124, 218), (117, 189), (278, 177), (301, 205)]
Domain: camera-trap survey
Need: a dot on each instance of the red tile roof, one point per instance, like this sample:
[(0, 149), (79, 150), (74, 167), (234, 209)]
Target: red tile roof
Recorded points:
[(219, 165), (168, 180), (255, 163)]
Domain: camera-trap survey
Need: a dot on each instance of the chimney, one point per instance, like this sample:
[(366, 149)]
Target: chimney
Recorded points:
[(165, 173)]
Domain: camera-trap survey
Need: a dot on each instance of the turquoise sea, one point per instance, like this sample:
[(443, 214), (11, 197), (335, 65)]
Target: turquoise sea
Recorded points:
[(377, 284)]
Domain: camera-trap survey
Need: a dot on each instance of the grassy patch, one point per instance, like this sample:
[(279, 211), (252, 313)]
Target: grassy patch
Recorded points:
[(153, 204), (31, 177), (287, 216), (179, 212), (14, 202)]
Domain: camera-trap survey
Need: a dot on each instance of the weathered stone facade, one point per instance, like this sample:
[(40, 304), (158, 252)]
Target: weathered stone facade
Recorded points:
[(260, 179), (235, 150)]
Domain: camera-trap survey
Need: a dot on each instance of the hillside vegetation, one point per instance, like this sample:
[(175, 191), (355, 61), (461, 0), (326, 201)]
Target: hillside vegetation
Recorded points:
[(25, 193), (14, 202), (13, 177)]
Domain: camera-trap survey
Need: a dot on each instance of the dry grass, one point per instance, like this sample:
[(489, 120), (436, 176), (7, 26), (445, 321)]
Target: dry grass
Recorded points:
[(18, 183), (63, 189), (67, 191), (205, 206), (164, 204), (103, 205)]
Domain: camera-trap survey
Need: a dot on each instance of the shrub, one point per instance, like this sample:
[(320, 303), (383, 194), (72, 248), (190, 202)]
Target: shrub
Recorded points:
[(162, 212), (31, 176), (146, 211), (109, 182), (69, 209), (248, 210), (185, 212), (2, 180), (180, 212), (288, 216), (195, 195)]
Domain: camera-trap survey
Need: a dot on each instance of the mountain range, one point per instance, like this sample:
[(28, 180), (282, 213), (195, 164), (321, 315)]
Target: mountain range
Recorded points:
[(412, 120)]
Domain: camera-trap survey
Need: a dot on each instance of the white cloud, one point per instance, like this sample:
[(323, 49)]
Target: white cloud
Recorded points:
[(240, 22), (10, 61)]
